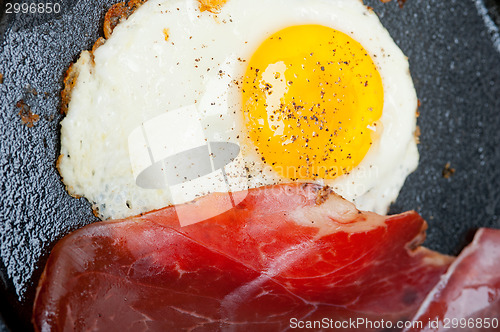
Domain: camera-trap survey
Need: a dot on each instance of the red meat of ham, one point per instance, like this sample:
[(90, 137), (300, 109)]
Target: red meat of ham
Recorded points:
[(468, 296), (285, 254)]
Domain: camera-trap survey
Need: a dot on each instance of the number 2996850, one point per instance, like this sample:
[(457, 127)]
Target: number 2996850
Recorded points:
[(33, 8)]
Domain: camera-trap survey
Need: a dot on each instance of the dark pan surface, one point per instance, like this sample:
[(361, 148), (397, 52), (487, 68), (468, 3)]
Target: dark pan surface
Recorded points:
[(456, 70)]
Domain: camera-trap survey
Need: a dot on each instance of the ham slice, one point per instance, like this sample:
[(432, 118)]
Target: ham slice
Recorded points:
[(468, 296), (285, 254)]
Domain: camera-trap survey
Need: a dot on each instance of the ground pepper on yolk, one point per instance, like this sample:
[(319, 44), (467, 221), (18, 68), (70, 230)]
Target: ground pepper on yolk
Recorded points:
[(312, 97)]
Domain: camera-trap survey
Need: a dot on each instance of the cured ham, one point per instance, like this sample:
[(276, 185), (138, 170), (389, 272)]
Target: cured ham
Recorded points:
[(286, 253), (468, 295)]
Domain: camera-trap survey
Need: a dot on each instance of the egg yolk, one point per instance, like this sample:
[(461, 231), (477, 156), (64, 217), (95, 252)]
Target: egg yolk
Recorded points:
[(311, 100)]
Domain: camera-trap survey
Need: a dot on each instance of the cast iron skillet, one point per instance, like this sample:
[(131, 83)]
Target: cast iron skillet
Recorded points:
[(456, 70)]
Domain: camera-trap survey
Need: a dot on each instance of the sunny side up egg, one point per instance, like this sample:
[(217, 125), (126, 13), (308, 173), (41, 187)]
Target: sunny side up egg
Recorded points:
[(306, 90)]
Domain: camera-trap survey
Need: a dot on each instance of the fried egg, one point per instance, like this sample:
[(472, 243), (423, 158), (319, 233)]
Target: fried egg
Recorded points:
[(306, 90)]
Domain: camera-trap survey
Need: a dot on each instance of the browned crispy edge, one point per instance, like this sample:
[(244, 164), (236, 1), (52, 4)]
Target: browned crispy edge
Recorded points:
[(400, 2), (213, 6), (116, 14), (69, 82)]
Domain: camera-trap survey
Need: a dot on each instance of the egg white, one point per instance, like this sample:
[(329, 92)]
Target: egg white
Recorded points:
[(138, 75)]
